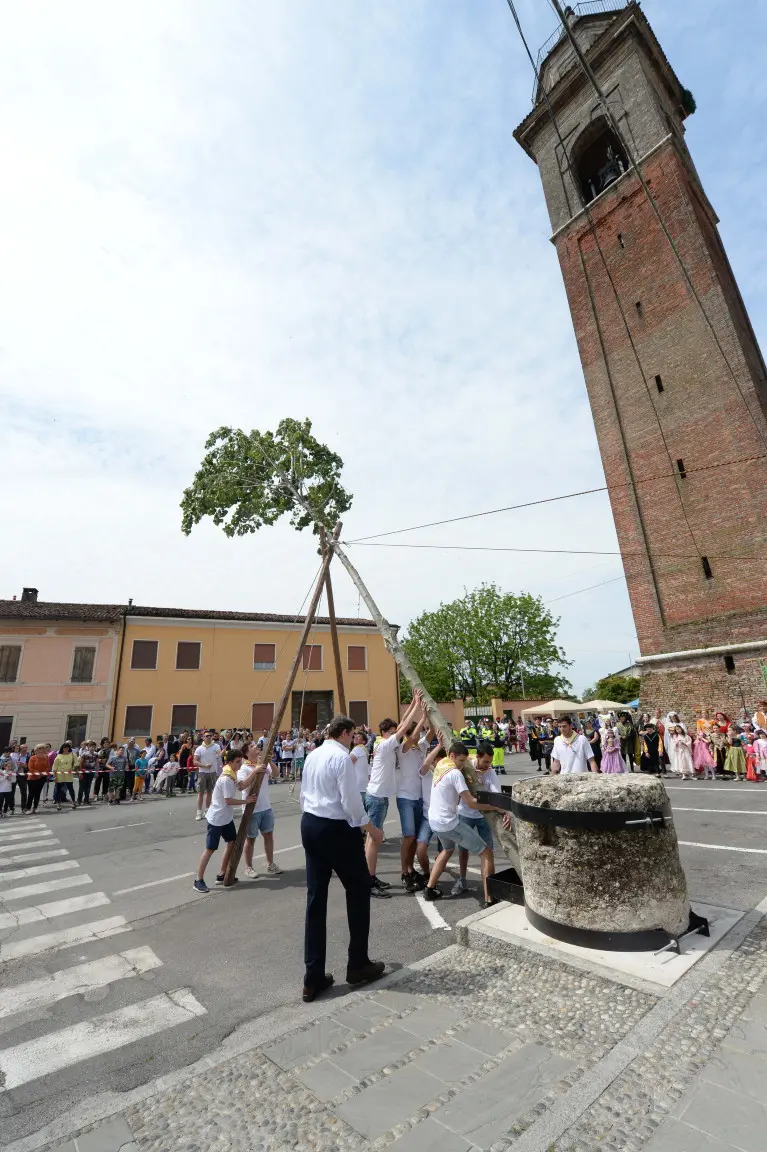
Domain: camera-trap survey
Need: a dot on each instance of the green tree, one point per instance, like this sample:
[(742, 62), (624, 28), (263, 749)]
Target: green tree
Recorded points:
[(621, 689), (486, 644)]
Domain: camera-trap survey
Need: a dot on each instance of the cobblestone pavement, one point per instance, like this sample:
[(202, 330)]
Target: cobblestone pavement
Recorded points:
[(477, 1050)]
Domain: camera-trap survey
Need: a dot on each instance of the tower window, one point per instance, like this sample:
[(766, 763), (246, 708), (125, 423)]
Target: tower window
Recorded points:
[(638, 307), (620, 240), (681, 468), (729, 663), (599, 159), (659, 383), (706, 568)]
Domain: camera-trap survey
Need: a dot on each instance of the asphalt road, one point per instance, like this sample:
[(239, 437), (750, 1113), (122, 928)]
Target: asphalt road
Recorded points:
[(235, 953)]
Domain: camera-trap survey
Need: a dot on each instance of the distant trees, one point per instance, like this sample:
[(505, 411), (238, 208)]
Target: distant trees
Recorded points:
[(621, 689)]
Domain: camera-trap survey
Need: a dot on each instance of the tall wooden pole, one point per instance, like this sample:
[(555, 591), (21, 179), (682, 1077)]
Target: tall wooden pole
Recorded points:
[(266, 754), (341, 702)]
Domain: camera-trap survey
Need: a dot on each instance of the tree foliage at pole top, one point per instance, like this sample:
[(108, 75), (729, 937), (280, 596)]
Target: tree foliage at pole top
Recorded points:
[(488, 643), (250, 479)]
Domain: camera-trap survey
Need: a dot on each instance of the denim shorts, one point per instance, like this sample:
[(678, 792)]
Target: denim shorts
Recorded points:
[(217, 833), (410, 815), (424, 832), (482, 827), (463, 836), (376, 808), (262, 822)]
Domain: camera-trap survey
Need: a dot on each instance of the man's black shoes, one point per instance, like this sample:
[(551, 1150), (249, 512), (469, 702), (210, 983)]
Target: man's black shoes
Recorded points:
[(311, 993), (373, 970)]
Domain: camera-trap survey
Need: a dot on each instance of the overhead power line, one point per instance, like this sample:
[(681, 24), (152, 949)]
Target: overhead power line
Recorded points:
[(551, 551)]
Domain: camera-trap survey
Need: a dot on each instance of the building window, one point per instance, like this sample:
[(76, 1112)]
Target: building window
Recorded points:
[(183, 718), (312, 658), (358, 712), (264, 657), (729, 664), (144, 654), (261, 718), (10, 655), (77, 729), (138, 720), (598, 159), (188, 654), (357, 658), (82, 665)]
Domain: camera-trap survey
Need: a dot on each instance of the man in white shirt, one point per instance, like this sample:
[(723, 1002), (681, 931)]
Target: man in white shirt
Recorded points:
[(261, 817), (207, 763), (572, 752), (333, 815), (487, 780), (382, 784), (449, 791)]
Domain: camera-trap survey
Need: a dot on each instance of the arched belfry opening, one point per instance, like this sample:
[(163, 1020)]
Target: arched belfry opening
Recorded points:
[(598, 159)]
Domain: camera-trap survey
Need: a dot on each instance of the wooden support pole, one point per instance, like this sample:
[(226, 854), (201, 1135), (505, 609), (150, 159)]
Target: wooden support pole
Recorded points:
[(266, 753), (341, 695)]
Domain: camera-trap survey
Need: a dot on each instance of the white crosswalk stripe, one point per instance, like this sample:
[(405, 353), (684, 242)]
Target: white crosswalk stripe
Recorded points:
[(25, 1060), (38, 870), (16, 829), (27, 834), (36, 1059), (76, 981), (26, 890), (8, 861), (55, 908)]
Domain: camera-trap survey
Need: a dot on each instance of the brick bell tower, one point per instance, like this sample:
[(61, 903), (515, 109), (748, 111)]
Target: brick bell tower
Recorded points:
[(679, 398)]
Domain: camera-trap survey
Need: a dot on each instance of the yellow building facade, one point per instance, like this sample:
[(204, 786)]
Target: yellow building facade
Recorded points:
[(179, 669)]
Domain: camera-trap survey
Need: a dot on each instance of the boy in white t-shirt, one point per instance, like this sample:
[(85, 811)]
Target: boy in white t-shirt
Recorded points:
[(220, 819), (487, 779), (359, 755), (449, 791), (261, 815), (413, 760)]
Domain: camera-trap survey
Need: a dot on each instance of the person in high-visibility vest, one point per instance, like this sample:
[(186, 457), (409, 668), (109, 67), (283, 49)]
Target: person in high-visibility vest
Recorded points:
[(469, 735)]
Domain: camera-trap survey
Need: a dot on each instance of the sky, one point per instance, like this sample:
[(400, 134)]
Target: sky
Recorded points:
[(232, 213)]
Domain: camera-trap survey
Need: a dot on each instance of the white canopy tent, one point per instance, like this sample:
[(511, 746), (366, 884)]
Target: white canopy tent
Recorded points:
[(553, 708), (603, 706)]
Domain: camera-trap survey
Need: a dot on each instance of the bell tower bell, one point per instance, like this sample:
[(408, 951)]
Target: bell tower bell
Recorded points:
[(674, 374)]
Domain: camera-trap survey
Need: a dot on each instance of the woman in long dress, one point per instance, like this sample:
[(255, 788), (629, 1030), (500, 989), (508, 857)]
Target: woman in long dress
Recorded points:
[(683, 753), (521, 736), (672, 722), (612, 759)]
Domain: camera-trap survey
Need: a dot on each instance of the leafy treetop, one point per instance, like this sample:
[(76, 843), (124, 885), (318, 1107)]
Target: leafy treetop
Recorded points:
[(251, 479)]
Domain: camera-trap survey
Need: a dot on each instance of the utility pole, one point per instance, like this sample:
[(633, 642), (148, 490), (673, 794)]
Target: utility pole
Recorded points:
[(279, 711)]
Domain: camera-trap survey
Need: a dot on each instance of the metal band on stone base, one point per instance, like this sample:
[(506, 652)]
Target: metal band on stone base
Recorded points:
[(647, 940)]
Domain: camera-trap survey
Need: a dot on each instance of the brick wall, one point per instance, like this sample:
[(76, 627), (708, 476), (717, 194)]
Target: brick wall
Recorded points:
[(685, 685)]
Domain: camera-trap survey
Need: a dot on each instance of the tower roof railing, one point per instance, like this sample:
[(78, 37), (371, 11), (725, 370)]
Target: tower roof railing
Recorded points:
[(575, 11)]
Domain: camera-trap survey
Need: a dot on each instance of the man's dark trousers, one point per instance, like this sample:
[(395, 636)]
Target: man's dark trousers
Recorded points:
[(332, 846)]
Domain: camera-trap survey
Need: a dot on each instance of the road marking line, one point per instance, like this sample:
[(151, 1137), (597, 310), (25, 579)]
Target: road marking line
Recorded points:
[(56, 908), (31, 834), (116, 827), (22, 830), (8, 860), (38, 870), (716, 791), (41, 889), (431, 914), (55, 1051), (722, 847), (64, 938), (28, 844), (724, 811), (153, 883), (76, 981)]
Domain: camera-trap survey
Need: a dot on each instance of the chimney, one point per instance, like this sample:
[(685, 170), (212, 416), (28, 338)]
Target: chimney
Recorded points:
[(29, 595)]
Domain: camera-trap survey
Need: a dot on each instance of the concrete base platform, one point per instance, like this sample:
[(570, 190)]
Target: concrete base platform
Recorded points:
[(509, 925)]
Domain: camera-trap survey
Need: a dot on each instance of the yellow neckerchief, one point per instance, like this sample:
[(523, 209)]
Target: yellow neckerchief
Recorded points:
[(569, 740), (468, 771), (230, 772)]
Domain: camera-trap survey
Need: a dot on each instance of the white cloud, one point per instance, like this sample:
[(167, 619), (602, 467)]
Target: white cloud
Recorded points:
[(232, 213)]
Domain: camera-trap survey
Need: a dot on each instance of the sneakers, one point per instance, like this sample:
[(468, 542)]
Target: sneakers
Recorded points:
[(221, 876), (198, 815), (380, 883), (200, 886), (373, 970), (460, 886), (430, 894), (273, 869), (251, 874), (379, 893)]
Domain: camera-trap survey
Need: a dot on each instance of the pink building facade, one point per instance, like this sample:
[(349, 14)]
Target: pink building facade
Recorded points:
[(57, 670)]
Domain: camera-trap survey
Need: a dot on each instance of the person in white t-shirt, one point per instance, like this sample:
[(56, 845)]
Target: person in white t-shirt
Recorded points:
[(207, 763), (412, 761), (449, 791), (261, 816), (382, 784), (359, 755), (487, 780), (572, 752), (220, 821)]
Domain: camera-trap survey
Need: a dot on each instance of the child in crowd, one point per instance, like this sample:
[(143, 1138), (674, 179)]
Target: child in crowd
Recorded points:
[(760, 744), (682, 758), (142, 767), (220, 818), (735, 761), (751, 758), (7, 783), (703, 755), (299, 755)]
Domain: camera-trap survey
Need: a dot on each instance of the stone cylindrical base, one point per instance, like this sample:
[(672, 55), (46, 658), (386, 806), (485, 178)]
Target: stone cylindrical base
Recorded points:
[(628, 880)]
